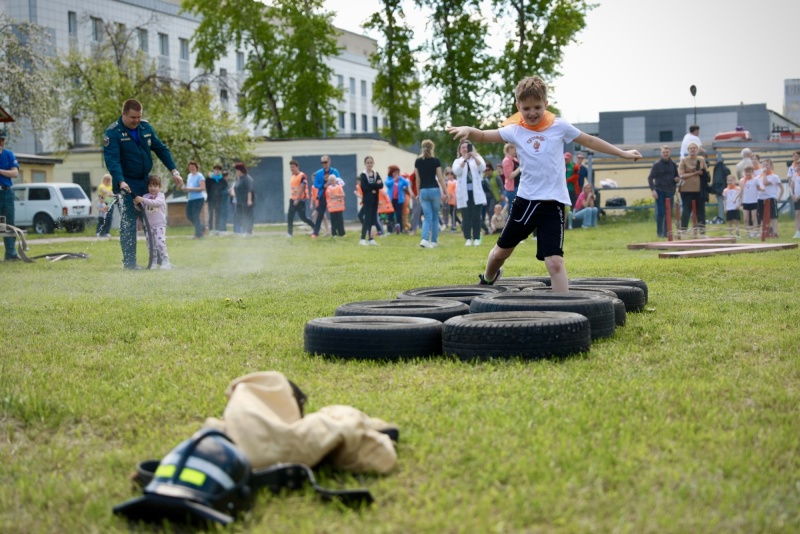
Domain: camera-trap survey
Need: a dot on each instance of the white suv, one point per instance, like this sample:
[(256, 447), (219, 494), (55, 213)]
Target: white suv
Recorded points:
[(43, 206)]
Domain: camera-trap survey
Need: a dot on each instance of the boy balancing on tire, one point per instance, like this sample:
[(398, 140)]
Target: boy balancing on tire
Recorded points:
[(539, 205)]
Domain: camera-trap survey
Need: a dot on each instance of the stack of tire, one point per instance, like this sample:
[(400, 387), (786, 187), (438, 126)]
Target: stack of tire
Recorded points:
[(518, 317)]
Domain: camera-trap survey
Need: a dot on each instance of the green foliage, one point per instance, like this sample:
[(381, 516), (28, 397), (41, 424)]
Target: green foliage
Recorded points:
[(186, 119), (288, 87), (541, 30), (685, 420), (28, 87), (396, 88)]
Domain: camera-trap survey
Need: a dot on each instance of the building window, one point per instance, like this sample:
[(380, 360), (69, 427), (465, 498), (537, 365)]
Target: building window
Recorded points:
[(352, 86), (184, 43), (665, 136), (40, 177), (341, 120), (163, 44), (240, 103), (239, 61), (143, 45), (72, 23), (385, 122), (375, 124), (353, 124), (97, 29), (121, 28), (364, 123), (364, 89), (339, 81)]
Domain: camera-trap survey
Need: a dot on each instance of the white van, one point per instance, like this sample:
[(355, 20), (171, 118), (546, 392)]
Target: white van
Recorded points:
[(46, 205)]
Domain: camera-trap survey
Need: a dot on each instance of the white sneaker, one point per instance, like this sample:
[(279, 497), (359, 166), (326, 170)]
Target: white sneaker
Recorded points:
[(796, 235), (374, 243), (363, 242), (476, 243), (288, 236), (425, 243), (166, 266), (468, 243)]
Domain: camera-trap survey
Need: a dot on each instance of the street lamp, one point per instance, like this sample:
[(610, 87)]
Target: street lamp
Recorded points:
[(693, 90)]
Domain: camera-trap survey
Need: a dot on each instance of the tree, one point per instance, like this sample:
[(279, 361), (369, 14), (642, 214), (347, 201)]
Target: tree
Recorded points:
[(396, 88), (185, 118), (28, 87), (288, 87), (458, 66), (541, 31)]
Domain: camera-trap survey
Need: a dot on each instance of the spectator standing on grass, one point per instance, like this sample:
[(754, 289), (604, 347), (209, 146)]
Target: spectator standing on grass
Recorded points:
[(573, 178), (370, 185), (298, 194), (692, 137), (585, 210), (748, 193), (470, 197), (791, 173), (245, 191), (430, 184), (154, 205), (499, 217), (9, 169), (662, 180), (127, 147), (217, 191), (719, 183), (195, 186), (398, 189), (733, 201), (691, 171), (542, 195), (320, 181), (794, 190), (772, 191), (511, 171), (452, 185), (334, 199), (582, 170), (104, 213)]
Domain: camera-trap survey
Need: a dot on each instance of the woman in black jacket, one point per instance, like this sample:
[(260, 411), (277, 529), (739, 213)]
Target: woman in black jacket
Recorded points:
[(371, 184)]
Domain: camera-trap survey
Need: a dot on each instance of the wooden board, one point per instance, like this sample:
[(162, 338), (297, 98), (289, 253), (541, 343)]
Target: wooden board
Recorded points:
[(710, 240), (728, 250), (678, 245)]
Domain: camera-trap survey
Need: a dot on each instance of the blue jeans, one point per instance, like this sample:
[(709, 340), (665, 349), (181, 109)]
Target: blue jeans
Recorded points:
[(431, 200), (128, 216), (193, 209), (7, 211), (587, 216), (661, 211)]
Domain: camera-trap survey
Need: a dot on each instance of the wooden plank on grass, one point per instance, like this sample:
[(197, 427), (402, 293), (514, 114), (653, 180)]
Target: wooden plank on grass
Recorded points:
[(680, 245), (729, 250), (710, 240)]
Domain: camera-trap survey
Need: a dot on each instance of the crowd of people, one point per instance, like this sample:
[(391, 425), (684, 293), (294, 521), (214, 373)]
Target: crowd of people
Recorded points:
[(742, 198)]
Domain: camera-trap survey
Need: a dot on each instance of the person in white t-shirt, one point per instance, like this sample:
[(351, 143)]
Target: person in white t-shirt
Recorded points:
[(733, 201), (772, 191), (692, 137), (749, 187), (794, 190), (542, 196)]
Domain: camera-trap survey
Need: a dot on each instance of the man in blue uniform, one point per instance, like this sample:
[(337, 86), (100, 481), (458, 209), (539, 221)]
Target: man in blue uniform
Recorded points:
[(126, 149), (9, 169)]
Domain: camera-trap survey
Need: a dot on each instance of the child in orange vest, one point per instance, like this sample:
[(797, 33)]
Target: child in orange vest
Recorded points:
[(334, 195), (385, 207)]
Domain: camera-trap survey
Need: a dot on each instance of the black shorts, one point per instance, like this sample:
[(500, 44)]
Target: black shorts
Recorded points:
[(797, 205), (750, 207), (733, 215), (544, 216), (773, 209)]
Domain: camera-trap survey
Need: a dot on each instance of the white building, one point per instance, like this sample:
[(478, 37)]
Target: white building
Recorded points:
[(791, 99), (165, 35)]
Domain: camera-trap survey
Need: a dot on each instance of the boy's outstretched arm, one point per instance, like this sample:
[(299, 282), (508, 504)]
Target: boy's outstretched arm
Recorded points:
[(598, 145), (461, 133)]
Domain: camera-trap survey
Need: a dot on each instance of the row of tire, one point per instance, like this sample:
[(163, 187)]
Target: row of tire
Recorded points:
[(516, 317)]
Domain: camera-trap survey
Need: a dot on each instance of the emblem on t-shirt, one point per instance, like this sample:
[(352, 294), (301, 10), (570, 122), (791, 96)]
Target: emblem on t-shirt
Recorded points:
[(536, 145)]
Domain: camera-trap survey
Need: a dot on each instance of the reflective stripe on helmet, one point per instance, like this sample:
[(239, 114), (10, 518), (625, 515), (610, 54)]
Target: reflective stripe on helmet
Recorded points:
[(194, 472)]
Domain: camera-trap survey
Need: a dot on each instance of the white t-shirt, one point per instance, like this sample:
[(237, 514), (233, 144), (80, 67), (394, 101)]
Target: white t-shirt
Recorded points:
[(689, 138), (771, 187), (541, 158), (794, 181), (731, 195), (749, 190)]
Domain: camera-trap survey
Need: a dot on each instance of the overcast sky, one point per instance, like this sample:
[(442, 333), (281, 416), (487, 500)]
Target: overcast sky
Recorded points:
[(641, 54)]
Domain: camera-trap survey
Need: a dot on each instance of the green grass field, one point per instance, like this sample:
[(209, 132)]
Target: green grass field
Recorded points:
[(686, 420)]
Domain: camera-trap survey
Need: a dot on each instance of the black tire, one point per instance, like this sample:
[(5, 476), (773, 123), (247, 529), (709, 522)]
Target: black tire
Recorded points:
[(373, 338), (611, 281), (526, 334), (632, 296), (463, 293), (543, 279), (43, 224), (439, 309), (620, 313), (599, 309)]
